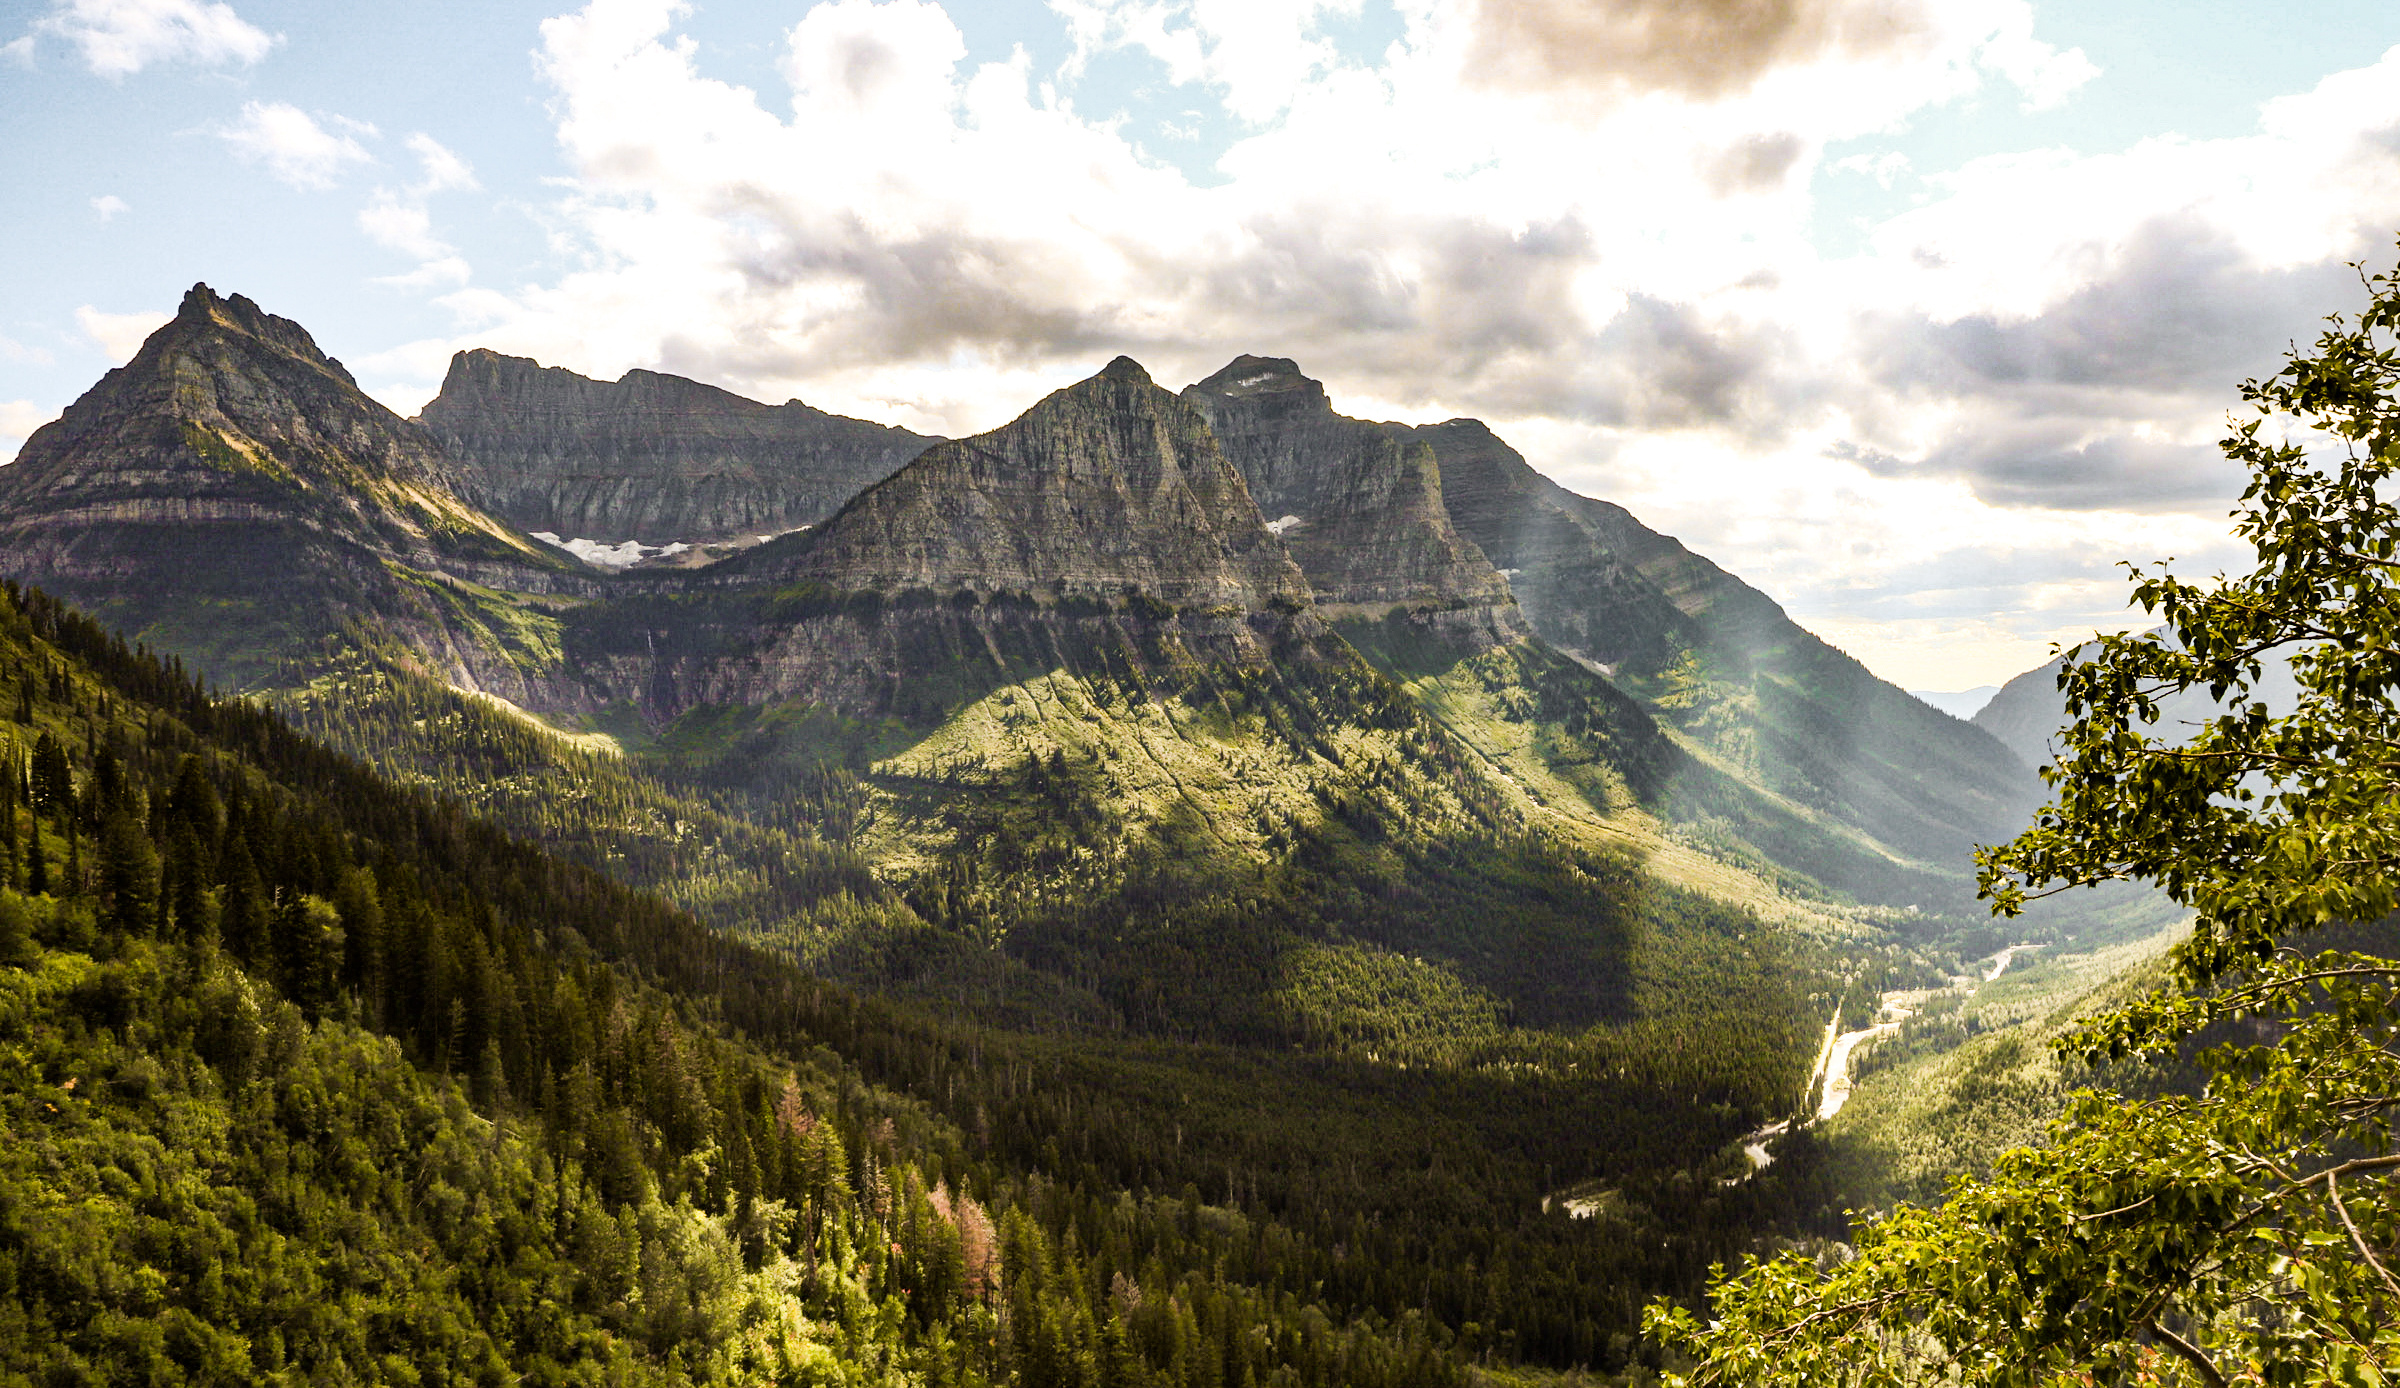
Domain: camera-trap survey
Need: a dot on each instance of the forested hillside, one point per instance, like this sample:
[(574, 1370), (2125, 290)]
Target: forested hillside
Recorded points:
[(322, 1076)]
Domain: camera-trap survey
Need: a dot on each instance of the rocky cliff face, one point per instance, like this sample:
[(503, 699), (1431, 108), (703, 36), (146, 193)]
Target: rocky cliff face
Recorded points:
[(1106, 489), (1102, 530), (233, 488), (649, 456), (1723, 662), (1360, 506)]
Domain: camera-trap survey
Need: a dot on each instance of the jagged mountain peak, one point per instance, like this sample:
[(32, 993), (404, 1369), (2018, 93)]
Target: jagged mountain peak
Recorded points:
[(1108, 486), (1360, 506), (1248, 376), (204, 309), (226, 388), (265, 499)]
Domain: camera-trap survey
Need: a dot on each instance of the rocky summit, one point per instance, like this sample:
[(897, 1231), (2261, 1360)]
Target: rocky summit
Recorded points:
[(233, 492), (1108, 488), (1361, 508), (649, 456)]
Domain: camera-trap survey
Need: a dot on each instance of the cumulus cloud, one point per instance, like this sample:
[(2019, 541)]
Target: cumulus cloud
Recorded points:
[(1695, 47), (401, 220), (119, 334), (1260, 54), (1621, 278), (118, 38), (439, 169), (108, 205), (294, 147)]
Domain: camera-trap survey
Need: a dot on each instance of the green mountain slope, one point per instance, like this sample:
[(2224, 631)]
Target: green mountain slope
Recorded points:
[(1724, 666), (232, 495), (450, 1101)]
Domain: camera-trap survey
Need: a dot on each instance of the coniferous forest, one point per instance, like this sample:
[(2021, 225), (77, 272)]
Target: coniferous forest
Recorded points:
[(317, 1077)]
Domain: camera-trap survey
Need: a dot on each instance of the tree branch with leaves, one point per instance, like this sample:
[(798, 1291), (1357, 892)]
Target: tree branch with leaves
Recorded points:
[(2244, 1234)]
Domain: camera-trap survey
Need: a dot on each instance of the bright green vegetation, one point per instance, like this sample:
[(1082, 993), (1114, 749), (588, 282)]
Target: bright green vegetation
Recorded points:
[(1971, 1076), (427, 1096), (310, 1076), (2230, 1214)]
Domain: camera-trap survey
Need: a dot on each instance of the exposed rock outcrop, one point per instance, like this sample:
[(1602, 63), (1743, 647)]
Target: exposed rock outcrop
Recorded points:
[(1101, 530), (1360, 506), (231, 487), (649, 456), (1109, 488)]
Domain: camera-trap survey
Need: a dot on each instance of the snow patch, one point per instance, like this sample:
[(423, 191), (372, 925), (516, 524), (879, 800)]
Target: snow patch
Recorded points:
[(1280, 526), (614, 558)]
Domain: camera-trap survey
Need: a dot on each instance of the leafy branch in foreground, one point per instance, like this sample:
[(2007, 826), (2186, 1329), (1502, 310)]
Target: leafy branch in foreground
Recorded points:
[(2245, 1234)]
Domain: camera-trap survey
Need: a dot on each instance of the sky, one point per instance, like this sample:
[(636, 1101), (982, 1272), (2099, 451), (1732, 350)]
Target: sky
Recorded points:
[(1920, 315)]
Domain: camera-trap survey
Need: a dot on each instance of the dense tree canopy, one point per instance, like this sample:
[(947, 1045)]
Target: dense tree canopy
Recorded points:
[(2242, 1229)]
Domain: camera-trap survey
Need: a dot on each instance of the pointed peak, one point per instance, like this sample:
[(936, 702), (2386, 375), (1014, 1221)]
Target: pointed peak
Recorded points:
[(204, 309), (1247, 375), (1124, 369)]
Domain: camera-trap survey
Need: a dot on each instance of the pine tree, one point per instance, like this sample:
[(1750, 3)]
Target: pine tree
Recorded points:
[(360, 908), (184, 893), (304, 929), (242, 910), (128, 873), (53, 782)]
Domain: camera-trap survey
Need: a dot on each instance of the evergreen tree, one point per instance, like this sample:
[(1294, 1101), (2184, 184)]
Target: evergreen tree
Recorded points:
[(243, 905), (53, 783), (360, 910), (128, 873), (305, 944)]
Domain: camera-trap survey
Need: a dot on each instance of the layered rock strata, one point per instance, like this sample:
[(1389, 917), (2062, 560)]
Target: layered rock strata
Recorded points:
[(1101, 530), (1108, 488), (232, 487), (649, 456), (1360, 507)]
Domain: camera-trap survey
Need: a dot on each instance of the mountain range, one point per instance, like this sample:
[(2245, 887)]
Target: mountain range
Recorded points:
[(1021, 699), (1218, 803)]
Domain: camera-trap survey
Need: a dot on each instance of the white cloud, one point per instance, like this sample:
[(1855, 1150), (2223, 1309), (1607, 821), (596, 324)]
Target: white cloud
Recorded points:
[(18, 51), (401, 220), (2045, 74), (119, 334), (1618, 273), (442, 171), (121, 37), (18, 420), (402, 226), (1260, 53), (108, 205), (294, 147), (17, 352)]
